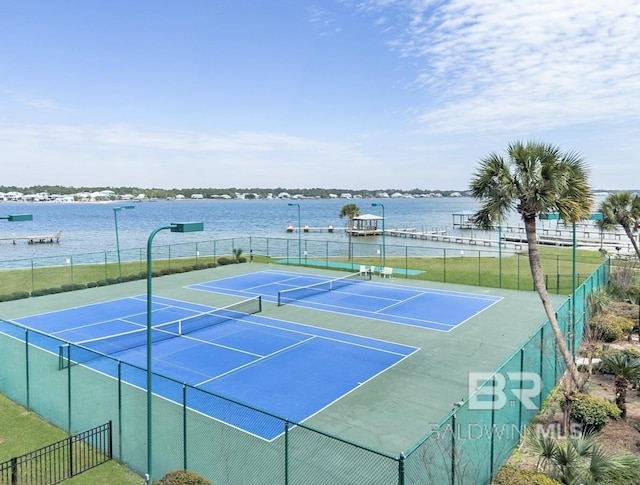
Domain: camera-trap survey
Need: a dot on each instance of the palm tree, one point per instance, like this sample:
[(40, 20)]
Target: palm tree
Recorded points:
[(582, 459), (350, 211), (622, 208), (533, 179), (625, 371)]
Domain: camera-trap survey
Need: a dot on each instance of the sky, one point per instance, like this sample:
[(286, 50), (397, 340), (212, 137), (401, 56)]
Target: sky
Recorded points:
[(358, 94)]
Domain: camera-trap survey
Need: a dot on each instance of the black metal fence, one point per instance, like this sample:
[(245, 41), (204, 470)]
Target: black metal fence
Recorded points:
[(62, 460)]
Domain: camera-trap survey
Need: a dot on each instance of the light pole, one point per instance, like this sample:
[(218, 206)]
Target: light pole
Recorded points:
[(174, 227), (384, 256), (115, 216), (291, 204)]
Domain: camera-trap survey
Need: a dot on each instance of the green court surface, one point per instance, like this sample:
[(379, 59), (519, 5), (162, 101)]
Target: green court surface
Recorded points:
[(396, 409), (340, 265)]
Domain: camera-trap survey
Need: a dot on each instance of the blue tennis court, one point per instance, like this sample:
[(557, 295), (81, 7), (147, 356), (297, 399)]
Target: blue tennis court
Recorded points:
[(288, 369), (421, 307)]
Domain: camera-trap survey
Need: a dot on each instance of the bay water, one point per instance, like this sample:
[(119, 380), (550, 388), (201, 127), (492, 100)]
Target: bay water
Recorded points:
[(91, 227)]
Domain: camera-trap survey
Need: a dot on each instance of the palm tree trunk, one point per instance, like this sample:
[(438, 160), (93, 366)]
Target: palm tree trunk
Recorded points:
[(621, 395), (538, 281), (627, 231)]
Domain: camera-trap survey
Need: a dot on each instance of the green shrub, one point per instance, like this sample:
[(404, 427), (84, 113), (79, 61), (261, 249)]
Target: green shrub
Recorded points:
[(16, 295), (510, 475), (611, 327), (593, 412), (624, 309), (181, 477), (224, 260), (211, 265)]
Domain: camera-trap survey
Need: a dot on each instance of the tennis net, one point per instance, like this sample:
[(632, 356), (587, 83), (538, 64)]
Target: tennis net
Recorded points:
[(293, 294), (87, 350)]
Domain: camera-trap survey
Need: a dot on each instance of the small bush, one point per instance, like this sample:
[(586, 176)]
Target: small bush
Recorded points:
[(624, 309), (223, 260), (242, 259), (16, 295), (211, 265), (92, 284), (611, 327), (593, 412), (181, 477), (510, 475)]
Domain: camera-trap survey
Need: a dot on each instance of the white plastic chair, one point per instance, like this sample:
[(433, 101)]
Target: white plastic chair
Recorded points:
[(386, 272), (363, 269), (372, 270)]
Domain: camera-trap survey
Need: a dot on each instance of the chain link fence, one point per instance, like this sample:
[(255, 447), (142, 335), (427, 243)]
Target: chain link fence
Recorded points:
[(467, 446)]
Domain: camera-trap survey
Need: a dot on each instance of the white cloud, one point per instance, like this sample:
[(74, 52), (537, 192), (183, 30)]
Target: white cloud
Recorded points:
[(492, 65)]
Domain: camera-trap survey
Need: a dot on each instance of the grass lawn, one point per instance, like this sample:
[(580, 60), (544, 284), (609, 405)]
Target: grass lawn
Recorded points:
[(22, 431)]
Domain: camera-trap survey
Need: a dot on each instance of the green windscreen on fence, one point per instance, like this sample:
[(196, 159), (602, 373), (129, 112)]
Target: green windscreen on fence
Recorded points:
[(468, 446)]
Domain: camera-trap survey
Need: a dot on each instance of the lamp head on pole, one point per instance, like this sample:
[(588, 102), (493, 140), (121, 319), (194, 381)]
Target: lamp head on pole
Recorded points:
[(18, 217), (118, 209), (187, 226)]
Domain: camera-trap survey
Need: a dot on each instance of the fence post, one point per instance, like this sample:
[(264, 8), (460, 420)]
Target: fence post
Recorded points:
[(14, 471), (184, 427), (444, 265), (70, 445), (453, 449), (110, 440), (69, 391), (401, 469), (406, 262), (120, 410), (26, 353), (286, 452)]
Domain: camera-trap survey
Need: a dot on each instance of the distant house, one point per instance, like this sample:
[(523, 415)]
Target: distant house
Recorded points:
[(345, 195), (284, 195), (197, 196), (64, 198)]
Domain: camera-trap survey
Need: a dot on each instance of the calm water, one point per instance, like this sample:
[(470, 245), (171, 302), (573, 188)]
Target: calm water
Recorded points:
[(90, 227)]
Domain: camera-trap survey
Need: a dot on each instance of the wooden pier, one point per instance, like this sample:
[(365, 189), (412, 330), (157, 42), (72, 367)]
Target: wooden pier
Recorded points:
[(291, 229), (46, 239)]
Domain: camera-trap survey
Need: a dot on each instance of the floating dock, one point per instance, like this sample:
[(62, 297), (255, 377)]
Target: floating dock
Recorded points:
[(46, 239)]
